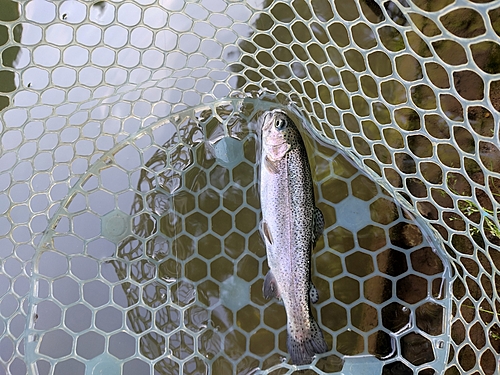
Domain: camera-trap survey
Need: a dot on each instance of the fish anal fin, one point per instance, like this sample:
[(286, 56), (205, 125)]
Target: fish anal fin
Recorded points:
[(270, 288)]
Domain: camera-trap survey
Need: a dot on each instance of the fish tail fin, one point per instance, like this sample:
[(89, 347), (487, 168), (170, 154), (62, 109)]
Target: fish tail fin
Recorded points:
[(302, 349)]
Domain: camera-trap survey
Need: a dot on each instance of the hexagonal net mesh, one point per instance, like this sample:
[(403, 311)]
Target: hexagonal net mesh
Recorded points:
[(130, 239)]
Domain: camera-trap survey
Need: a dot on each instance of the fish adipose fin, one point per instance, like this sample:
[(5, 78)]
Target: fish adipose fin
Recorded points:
[(303, 350), (313, 293), (270, 286)]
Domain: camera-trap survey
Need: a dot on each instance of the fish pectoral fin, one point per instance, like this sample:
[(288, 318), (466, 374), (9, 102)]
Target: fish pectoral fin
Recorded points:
[(270, 165), (279, 150), (270, 288), (313, 293), (267, 232)]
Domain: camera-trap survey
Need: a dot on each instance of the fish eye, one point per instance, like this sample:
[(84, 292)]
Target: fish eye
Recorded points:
[(279, 124)]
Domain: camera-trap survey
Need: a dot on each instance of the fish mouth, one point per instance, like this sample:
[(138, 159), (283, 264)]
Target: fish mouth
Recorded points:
[(268, 121), (271, 135)]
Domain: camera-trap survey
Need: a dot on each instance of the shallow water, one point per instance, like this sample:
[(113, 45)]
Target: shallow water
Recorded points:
[(160, 245)]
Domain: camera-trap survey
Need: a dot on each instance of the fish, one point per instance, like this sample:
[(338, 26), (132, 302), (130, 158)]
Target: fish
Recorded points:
[(291, 225)]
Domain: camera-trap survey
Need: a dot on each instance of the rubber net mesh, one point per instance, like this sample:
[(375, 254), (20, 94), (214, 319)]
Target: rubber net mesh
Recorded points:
[(129, 227)]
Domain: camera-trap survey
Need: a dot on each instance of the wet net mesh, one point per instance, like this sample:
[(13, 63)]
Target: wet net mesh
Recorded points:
[(129, 235)]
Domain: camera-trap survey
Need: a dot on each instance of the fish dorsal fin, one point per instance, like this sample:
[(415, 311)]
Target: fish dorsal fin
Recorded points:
[(267, 233), (270, 165), (270, 288), (318, 225)]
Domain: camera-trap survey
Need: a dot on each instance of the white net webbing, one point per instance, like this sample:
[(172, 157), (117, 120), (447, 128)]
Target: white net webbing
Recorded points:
[(129, 235)]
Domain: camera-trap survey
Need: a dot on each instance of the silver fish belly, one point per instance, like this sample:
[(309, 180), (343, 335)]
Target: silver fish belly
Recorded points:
[(291, 225)]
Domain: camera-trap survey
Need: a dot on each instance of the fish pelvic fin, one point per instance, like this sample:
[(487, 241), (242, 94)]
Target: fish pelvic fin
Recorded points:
[(267, 232), (302, 349), (270, 288)]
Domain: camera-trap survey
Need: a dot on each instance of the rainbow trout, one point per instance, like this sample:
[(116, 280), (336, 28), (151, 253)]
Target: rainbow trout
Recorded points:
[(290, 227)]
